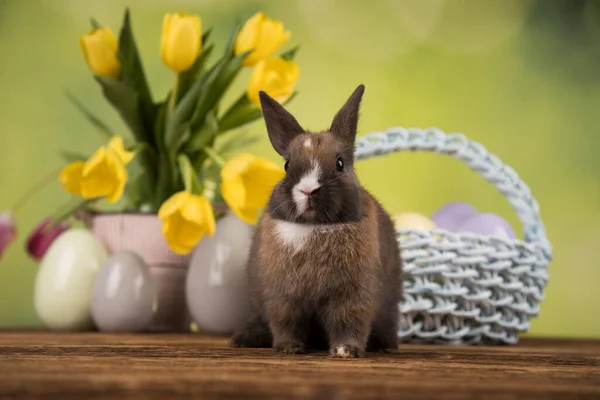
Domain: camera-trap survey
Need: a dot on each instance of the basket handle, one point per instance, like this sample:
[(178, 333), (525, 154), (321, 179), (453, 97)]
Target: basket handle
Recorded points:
[(476, 157)]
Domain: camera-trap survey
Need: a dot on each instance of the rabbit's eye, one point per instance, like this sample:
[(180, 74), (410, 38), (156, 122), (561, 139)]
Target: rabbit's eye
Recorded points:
[(286, 165), (340, 164)]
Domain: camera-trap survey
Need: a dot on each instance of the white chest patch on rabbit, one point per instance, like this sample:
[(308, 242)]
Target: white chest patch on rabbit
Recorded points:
[(294, 235), (297, 235)]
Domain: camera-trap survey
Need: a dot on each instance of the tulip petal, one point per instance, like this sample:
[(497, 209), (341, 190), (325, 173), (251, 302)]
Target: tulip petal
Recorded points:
[(247, 215), (186, 219), (42, 237), (259, 180), (170, 230), (262, 35), (183, 41), (248, 36), (177, 248), (182, 231), (99, 175), (276, 76), (70, 177), (193, 209), (189, 234), (120, 175), (117, 146), (247, 184), (234, 192), (173, 204), (100, 48), (272, 37), (199, 211), (209, 223), (237, 165)]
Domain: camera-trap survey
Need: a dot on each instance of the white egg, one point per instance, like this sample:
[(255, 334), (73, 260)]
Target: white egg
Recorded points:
[(216, 288), (64, 282)]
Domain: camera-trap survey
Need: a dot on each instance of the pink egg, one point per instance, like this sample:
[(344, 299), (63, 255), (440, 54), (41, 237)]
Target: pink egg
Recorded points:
[(488, 224), (452, 215)]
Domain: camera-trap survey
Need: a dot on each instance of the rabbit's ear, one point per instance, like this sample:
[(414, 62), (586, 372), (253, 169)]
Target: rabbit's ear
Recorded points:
[(345, 122), (282, 127)]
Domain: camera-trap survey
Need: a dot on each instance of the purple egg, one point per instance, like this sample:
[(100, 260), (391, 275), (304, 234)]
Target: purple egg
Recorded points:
[(452, 215), (488, 224)]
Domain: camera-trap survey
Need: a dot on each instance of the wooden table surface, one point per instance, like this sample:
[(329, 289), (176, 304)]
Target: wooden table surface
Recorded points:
[(172, 366)]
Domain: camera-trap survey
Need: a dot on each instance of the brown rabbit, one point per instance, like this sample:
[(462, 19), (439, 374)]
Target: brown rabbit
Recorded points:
[(324, 268)]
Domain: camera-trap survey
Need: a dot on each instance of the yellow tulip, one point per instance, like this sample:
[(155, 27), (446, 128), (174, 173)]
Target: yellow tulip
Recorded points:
[(247, 183), (100, 49), (186, 218), (181, 41), (70, 177), (103, 174), (263, 36), (277, 77)]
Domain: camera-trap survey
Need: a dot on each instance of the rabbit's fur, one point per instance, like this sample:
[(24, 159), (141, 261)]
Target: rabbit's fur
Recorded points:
[(324, 268)]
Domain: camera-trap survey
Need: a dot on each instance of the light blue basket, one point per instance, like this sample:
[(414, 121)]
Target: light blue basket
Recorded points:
[(467, 288)]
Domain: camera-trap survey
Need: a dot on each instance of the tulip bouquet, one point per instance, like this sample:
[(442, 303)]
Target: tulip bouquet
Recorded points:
[(176, 160)]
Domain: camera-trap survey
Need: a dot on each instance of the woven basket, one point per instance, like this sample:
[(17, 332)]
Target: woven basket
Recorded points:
[(462, 288)]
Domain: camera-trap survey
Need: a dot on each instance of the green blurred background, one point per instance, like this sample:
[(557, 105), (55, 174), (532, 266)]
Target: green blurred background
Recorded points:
[(521, 77)]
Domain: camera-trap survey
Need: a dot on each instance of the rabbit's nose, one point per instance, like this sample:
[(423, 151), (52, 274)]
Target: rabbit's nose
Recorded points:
[(310, 192)]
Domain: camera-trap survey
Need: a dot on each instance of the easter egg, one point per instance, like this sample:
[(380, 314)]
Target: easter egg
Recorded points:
[(123, 294), (452, 215), (488, 224), (411, 220), (64, 282), (216, 288)]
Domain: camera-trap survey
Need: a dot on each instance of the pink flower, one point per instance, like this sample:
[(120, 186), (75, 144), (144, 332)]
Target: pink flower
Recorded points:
[(42, 237), (8, 230)]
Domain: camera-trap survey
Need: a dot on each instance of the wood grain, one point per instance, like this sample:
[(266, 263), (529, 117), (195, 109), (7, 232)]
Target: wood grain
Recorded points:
[(65, 366)]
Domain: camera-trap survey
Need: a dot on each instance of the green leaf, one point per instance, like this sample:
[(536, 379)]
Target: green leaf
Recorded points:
[(71, 156), (188, 175), (215, 88), (101, 126), (179, 122), (142, 147), (161, 117), (187, 78), (205, 135), (133, 75), (205, 36), (290, 54), (229, 47), (136, 190), (242, 112), (63, 213), (186, 171), (292, 96), (126, 101), (236, 142), (131, 64), (164, 183), (95, 24)]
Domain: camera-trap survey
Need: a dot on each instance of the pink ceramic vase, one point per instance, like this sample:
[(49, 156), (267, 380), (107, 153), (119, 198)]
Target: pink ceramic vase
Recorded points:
[(141, 233)]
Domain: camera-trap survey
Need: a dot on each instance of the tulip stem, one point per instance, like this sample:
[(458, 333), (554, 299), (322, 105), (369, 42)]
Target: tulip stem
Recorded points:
[(63, 215), (214, 156), (35, 189), (174, 94)]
